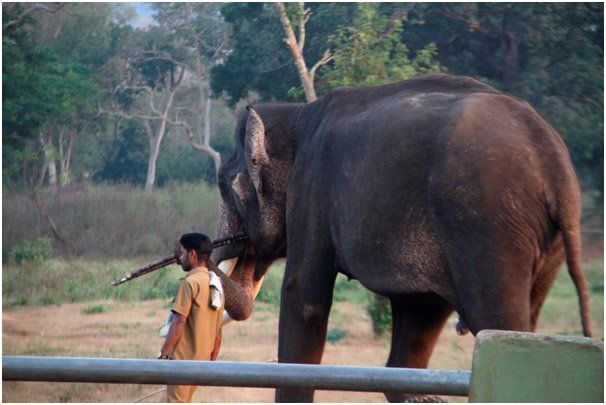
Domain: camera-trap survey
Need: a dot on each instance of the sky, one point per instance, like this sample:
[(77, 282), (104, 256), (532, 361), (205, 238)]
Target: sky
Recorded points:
[(145, 12)]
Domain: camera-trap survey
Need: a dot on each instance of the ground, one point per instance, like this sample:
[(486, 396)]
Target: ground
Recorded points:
[(121, 329), (127, 330)]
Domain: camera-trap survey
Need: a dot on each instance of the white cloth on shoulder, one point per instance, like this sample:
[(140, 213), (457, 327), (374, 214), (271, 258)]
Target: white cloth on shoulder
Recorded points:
[(216, 291), (216, 300)]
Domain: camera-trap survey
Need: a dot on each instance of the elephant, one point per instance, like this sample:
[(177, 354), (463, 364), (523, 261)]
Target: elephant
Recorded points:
[(440, 193)]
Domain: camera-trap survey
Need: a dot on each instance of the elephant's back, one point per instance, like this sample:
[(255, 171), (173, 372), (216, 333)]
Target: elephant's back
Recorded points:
[(394, 173)]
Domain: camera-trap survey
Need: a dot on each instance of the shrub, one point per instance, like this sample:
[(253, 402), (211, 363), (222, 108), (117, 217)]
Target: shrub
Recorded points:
[(379, 310), (272, 284), (48, 300), (34, 251), (335, 335), (95, 309), (152, 293), (20, 301)]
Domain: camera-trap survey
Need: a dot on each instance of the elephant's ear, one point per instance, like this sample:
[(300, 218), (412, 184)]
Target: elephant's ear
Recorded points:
[(254, 148)]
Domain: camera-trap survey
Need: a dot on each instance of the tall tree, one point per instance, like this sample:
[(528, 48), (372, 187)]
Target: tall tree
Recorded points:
[(205, 38), (370, 52), (48, 84), (259, 63), (297, 45), (142, 84)]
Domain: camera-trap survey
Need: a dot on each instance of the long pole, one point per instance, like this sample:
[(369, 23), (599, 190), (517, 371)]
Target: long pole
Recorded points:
[(234, 374)]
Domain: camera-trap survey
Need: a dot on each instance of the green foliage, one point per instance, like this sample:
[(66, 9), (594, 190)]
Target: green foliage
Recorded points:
[(549, 54), (371, 52), (94, 309), (259, 62), (48, 85), (349, 290), (334, 335), (34, 251), (379, 310), (19, 301), (48, 300), (79, 280)]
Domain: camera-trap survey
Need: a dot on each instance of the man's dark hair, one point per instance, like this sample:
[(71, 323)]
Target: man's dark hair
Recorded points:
[(198, 242)]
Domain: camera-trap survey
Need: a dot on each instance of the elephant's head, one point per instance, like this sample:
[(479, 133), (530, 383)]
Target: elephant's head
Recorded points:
[(253, 186)]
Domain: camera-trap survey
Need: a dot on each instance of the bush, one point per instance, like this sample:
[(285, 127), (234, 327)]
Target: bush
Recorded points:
[(95, 309), (335, 335), (34, 251), (379, 310)]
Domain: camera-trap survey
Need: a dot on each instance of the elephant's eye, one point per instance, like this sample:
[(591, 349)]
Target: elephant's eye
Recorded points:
[(254, 161)]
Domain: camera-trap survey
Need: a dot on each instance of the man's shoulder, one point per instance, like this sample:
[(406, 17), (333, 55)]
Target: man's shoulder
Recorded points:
[(200, 276)]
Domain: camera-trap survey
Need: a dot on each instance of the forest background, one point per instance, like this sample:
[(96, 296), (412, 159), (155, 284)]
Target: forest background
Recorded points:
[(112, 134)]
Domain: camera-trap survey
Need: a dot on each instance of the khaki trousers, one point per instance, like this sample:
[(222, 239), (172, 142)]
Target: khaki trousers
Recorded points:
[(180, 393)]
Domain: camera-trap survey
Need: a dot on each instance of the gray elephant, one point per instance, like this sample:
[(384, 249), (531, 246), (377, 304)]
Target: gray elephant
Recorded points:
[(439, 193)]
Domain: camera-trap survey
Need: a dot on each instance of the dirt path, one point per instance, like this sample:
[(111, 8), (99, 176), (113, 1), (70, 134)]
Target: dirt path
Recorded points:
[(130, 330)]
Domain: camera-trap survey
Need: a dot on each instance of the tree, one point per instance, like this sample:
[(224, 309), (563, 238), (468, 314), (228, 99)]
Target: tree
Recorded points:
[(296, 46), (205, 37), (550, 54), (49, 86), (49, 89), (143, 87), (259, 64), (371, 52)]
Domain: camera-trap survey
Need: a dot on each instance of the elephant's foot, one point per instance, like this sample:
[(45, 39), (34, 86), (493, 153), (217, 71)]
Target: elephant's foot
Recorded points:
[(462, 328), (401, 397)]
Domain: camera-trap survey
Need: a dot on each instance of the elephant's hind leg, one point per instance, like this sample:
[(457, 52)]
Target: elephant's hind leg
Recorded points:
[(544, 279), (416, 326)]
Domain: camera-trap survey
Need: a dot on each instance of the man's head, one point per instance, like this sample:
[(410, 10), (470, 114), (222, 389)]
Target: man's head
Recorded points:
[(195, 250)]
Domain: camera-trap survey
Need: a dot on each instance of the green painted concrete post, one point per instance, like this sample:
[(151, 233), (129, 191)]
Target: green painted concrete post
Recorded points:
[(528, 367)]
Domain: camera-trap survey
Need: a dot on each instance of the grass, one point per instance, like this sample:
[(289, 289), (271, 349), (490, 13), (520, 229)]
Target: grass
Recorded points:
[(109, 222), (79, 280), (128, 329), (57, 282), (94, 309)]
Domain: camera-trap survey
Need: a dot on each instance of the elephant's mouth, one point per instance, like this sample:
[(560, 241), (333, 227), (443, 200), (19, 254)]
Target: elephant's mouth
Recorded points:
[(236, 258)]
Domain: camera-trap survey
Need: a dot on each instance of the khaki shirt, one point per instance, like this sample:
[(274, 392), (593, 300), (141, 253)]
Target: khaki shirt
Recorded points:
[(203, 322)]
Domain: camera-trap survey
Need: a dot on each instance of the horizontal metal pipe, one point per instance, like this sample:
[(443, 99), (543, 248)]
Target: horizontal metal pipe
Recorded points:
[(234, 374)]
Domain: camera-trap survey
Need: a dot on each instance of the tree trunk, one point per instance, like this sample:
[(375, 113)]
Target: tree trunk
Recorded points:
[(51, 167), (155, 138), (204, 106), (296, 50), (154, 150), (216, 156), (65, 153)]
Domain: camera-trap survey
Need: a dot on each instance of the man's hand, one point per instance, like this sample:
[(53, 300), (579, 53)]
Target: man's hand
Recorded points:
[(177, 326)]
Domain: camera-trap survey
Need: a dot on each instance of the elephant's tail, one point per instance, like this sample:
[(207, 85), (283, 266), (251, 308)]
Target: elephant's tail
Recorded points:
[(571, 232)]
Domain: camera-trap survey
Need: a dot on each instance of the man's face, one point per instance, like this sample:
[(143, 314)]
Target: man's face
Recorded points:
[(185, 259)]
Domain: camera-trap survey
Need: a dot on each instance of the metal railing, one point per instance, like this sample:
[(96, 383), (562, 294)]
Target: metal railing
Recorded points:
[(235, 374)]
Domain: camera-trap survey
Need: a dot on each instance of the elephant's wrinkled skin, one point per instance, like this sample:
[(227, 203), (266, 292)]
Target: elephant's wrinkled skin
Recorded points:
[(440, 193)]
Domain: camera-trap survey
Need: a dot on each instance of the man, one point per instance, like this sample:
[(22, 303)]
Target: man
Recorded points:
[(195, 331)]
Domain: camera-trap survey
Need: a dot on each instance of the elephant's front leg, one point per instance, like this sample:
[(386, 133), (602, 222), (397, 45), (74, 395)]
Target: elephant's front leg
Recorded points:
[(304, 308)]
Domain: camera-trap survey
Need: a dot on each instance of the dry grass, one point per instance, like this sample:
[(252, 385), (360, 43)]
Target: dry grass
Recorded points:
[(129, 330), (112, 221)]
